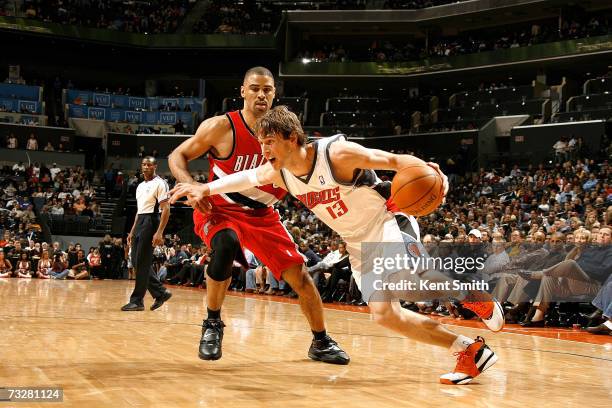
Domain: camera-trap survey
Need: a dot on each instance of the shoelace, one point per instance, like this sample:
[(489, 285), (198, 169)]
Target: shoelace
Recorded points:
[(480, 308), (210, 324), (327, 341), (463, 356)]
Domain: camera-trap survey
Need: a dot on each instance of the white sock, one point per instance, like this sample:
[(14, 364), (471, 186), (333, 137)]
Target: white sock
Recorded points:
[(460, 344), (608, 324)]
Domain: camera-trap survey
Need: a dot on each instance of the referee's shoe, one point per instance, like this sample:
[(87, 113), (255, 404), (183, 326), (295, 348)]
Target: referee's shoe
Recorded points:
[(160, 300), (133, 307)]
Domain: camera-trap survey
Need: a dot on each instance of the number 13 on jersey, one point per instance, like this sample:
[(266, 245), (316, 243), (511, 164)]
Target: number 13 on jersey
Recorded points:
[(337, 209)]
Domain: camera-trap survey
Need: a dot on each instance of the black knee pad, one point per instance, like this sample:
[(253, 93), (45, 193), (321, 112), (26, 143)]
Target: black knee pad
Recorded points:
[(225, 248)]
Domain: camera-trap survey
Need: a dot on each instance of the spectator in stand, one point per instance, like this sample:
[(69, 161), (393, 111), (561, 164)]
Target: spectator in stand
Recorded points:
[(106, 252), (44, 266), (326, 264), (277, 287), (54, 170), (118, 256), (6, 269), (95, 263), (71, 255), (32, 143), (179, 127), (109, 182), (57, 208), (59, 266), (341, 269), (19, 168), (14, 254), (79, 206), (603, 314), (560, 148), (24, 269), (80, 270), (11, 142), (49, 147), (313, 258), (583, 272), (251, 277)]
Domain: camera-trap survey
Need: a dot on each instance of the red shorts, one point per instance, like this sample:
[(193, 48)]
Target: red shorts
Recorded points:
[(258, 230)]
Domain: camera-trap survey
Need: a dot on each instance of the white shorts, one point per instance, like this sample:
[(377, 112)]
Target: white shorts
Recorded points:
[(386, 240)]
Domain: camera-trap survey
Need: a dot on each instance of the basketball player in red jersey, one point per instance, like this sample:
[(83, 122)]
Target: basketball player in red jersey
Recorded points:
[(229, 221), (334, 179)]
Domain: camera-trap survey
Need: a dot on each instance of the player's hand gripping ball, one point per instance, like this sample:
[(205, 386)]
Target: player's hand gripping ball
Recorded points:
[(418, 189)]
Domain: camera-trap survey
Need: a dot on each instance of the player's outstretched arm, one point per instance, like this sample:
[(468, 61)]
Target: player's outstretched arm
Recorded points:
[(354, 156), (351, 156), (242, 180)]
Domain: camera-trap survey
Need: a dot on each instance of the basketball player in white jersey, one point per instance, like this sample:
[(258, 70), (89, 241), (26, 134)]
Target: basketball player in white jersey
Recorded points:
[(334, 178)]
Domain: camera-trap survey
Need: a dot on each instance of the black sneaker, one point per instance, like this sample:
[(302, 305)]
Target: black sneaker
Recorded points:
[(132, 307), (212, 336), (328, 351), (160, 300)]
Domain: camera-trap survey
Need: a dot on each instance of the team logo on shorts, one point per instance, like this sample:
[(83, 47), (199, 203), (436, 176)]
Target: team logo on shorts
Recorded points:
[(413, 249)]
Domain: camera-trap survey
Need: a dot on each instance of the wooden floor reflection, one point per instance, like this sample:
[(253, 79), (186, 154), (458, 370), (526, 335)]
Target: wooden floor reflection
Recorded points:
[(72, 334)]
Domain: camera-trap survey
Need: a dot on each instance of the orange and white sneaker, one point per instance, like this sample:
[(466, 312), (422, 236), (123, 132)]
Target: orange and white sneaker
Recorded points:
[(487, 308), (470, 363)]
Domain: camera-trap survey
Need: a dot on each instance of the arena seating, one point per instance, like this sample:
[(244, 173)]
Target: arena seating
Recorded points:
[(296, 104), (24, 103), (136, 17), (137, 110), (595, 103), (472, 109)]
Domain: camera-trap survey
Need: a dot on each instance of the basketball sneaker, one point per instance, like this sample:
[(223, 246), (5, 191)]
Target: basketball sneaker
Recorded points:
[(212, 336), (487, 308), (470, 363), (327, 351)]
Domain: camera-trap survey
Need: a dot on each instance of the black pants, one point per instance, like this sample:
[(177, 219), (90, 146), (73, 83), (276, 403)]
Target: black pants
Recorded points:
[(142, 259), (340, 270)]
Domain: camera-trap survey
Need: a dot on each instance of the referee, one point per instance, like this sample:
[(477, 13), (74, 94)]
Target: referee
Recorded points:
[(147, 232)]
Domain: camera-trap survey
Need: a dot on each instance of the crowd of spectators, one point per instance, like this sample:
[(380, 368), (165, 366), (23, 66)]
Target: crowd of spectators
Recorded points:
[(27, 193), (388, 50), (62, 191), (32, 258), (133, 16), (32, 144), (229, 17), (259, 17)]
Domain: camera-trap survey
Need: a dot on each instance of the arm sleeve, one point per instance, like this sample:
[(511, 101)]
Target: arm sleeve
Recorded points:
[(240, 181), (162, 192)]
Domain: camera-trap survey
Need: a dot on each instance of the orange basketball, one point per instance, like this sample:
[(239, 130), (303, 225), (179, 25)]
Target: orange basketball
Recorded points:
[(417, 190)]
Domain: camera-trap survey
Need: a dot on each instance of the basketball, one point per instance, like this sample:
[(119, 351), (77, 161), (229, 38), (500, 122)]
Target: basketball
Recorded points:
[(417, 190)]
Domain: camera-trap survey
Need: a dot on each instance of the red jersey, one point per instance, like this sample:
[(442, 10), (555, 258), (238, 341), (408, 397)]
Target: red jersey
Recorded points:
[(246, 154)]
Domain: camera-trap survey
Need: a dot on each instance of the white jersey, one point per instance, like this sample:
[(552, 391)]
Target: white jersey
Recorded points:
[(150, 193), (350, 209)]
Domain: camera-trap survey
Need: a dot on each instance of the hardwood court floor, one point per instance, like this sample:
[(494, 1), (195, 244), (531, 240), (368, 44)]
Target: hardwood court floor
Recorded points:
[(72, 334)]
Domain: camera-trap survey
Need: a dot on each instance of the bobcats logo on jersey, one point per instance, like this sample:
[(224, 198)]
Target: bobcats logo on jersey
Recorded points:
[(247, 162), (314, 198)]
